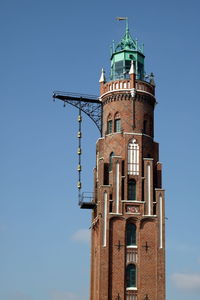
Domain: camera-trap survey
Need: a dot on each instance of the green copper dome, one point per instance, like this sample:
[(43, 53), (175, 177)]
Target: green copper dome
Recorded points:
[(122, 55)]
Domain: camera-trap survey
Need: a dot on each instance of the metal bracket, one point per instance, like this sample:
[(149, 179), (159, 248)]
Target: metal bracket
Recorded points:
[(89, 104)]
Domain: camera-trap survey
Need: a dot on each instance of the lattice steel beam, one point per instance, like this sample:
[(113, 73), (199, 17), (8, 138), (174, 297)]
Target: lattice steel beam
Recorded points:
[(89, 104)]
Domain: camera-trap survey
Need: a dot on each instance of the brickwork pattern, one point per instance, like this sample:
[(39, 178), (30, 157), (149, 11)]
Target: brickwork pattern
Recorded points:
[(108, 263)]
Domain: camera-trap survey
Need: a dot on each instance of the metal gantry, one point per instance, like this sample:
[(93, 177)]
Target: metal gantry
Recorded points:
[(92, 107), (89, 104)]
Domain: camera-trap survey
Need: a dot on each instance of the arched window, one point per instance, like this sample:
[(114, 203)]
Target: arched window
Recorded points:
[(131, 189), (131, 235), (110, 160), (117, 123), (133, 158), (131, 276)]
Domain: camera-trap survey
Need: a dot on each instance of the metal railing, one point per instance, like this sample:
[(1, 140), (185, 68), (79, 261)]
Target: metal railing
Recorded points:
[(87, 197)]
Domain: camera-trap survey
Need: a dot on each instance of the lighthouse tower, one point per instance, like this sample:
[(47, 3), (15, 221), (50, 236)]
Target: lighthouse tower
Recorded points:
[(128, 221)]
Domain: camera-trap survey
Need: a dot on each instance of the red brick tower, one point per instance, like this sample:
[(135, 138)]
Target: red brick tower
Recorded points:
[(128, 222)]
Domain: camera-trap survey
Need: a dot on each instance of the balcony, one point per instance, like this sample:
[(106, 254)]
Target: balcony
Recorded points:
[(87, 201)]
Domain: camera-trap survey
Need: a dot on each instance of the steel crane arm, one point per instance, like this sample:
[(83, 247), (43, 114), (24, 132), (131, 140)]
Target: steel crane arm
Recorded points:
[(89, 104)]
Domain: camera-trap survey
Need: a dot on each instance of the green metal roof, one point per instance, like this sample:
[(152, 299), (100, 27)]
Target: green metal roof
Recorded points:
[(128, 43), (125, 51)]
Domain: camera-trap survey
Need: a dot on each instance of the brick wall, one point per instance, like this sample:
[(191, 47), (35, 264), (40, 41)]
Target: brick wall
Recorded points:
[(109, 262)]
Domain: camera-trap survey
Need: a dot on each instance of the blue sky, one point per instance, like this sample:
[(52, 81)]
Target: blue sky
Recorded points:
[(62, 45)]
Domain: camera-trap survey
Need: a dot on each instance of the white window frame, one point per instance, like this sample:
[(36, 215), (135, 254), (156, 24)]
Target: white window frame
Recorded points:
[(133, 158)]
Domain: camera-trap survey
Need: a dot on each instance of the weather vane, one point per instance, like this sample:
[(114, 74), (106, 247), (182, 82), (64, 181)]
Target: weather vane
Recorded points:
[(123, 19)]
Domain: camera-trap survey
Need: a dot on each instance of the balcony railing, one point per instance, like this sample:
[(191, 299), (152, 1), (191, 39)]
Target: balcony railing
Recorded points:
[(87, 200), (130, 295), (131, 255), (125, 85)]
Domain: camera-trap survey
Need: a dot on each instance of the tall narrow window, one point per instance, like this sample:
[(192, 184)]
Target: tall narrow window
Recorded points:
[(110, 204), (109, 124), (131, 189), (131, 235), (133, 158), (106, 174), (122, 167), (142, 190), (110, 160), (145, 126), (122, 188), (131, 276), (109, 127), (117, 123)]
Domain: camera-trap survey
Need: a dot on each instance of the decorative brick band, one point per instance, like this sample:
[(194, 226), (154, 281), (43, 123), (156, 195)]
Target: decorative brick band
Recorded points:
[(127, 96)]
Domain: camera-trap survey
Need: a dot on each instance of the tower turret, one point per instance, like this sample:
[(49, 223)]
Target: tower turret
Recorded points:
[(127, 50)]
